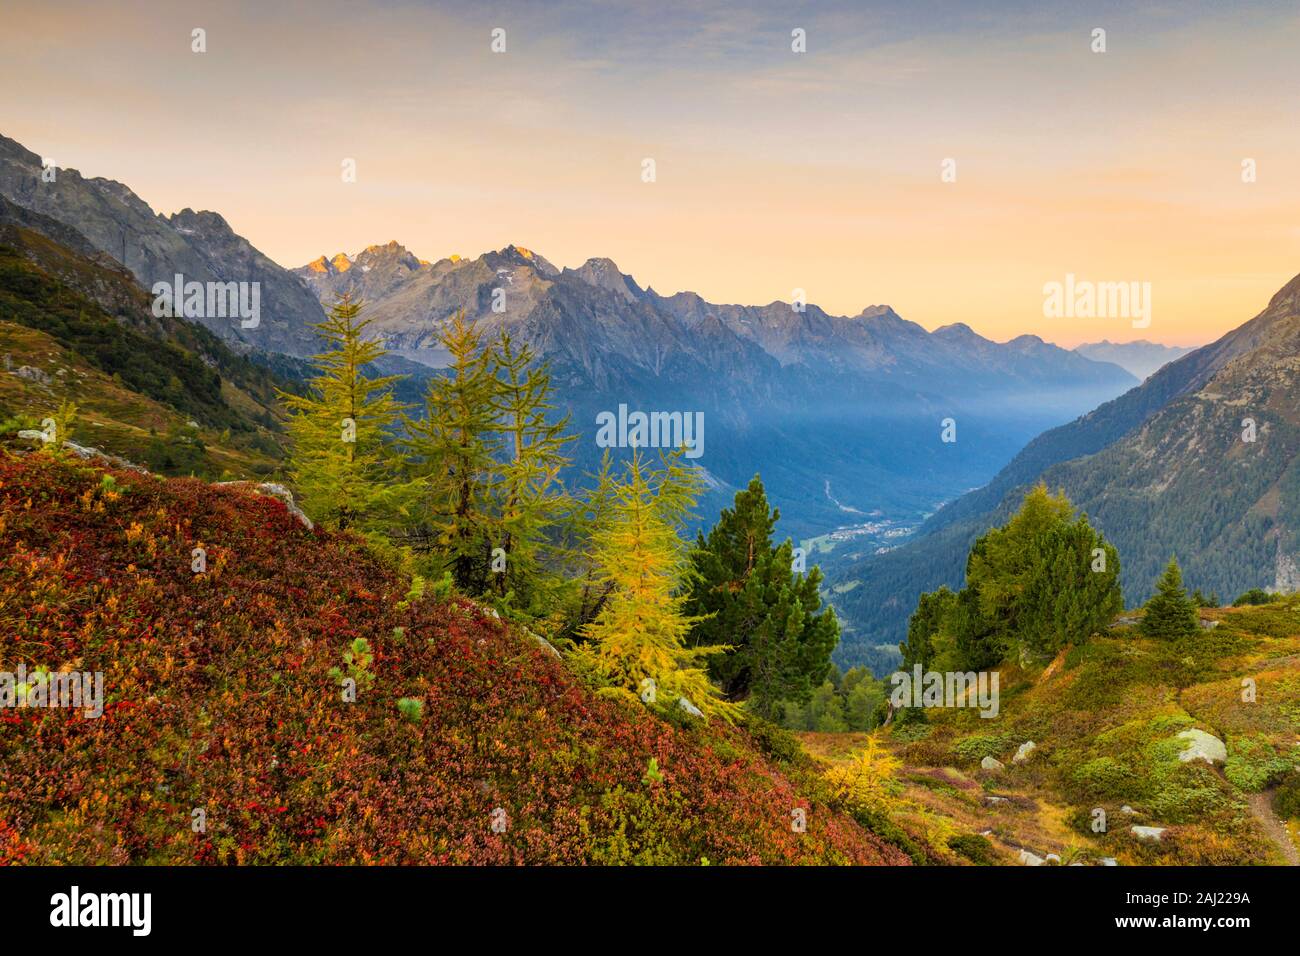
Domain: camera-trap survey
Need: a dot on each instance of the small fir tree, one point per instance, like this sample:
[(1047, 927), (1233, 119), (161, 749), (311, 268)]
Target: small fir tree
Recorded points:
[(1170, 614)]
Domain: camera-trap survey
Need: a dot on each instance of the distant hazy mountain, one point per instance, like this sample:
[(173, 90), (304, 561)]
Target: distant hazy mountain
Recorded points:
[(1164, 469), (1140, 358)]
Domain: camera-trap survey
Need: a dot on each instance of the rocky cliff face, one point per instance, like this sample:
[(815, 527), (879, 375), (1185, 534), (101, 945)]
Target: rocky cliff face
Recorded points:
[(200, 246)]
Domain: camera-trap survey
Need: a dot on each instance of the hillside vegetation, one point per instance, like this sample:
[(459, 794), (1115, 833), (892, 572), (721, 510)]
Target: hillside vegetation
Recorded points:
[(1105, 718), (223, 697), (84, 331)]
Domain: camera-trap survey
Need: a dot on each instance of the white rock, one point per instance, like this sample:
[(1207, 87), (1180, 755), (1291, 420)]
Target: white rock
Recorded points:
[(1148, 833), (272, 490), (543, 643), (1127, 809), (690, 708), (1029, 859), (991, 763), (1025, 750), (1202, 746), (33, 374), (1109, 861)]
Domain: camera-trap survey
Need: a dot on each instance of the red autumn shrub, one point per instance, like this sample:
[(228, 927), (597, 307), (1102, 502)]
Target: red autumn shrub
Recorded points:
[(219, 699)]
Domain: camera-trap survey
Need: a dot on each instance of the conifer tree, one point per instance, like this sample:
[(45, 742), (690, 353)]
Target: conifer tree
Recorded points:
[(748, 596), (932, 611), (527, 492), (589, 519), (454, 449), (1170, 614), (338, 462), (637, 643), (1045, 579)]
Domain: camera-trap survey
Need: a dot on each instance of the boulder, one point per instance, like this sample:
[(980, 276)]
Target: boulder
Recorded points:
[(1109, 861), (86, 454), (1148, 833), (690, 708), (273, 490), (991, 763), (542, 642), (1027, 748), (1029, 859), (1202, 746), (32, 374)]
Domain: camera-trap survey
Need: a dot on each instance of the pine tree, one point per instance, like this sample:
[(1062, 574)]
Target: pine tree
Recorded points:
[(1043, 580), (931, 612), (637, 643), (339, 463), (527, 492), (454, 451), (1170, 614), (746, 595)]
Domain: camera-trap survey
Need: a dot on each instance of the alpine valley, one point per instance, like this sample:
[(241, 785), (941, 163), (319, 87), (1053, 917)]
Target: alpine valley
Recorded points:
[(843, 416)]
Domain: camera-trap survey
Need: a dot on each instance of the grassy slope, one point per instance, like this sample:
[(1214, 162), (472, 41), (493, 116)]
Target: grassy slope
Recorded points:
[(1104, 717), (111, 416), (133, 371), (220, 698)]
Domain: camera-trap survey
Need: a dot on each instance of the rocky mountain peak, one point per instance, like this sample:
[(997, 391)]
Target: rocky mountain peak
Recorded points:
[(203, 222), (518, 255), (604, 274)]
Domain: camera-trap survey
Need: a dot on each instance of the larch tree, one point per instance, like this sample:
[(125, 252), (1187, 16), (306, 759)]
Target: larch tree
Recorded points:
[(454, 450), (527, 492), (637, 643), (339, 462)]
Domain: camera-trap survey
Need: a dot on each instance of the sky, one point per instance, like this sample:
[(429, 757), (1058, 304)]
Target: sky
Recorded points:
[(821, 171)]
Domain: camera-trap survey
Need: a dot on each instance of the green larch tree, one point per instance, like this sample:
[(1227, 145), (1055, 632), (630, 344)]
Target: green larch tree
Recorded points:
[(339, 462)]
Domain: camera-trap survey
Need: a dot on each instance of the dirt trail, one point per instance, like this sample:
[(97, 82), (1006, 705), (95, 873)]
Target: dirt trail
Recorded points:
[(1261, 807)]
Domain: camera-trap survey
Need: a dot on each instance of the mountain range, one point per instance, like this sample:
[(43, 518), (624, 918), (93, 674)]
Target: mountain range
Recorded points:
[(841, 415), (845, 417)]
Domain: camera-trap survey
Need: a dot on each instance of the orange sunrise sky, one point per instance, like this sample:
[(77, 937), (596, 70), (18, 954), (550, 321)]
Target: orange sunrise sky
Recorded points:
[(775, 170)]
